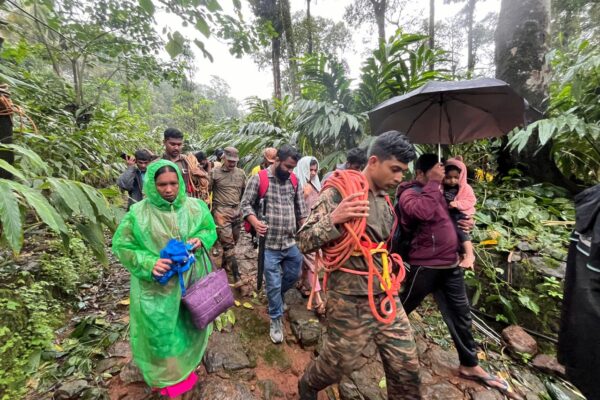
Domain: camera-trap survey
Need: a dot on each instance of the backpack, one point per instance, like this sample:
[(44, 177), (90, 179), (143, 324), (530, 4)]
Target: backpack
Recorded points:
[(401, 238), (263, 186)]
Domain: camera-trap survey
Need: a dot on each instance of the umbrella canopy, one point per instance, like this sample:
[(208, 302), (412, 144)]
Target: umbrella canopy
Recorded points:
[(452, 112)]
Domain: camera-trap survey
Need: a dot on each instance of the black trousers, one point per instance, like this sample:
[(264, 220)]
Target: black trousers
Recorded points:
[(448, 288)]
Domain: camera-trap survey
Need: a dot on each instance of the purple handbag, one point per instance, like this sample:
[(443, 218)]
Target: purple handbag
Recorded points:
[(208, 297)]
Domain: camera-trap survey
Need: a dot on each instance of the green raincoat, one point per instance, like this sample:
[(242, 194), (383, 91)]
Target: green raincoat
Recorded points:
[(166, 345)]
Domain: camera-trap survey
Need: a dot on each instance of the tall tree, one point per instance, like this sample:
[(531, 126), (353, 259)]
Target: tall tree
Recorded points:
[(522, 38), (468, 13), (309, 28), (269, 17), (370, 10), (431, 28), (286, 19)]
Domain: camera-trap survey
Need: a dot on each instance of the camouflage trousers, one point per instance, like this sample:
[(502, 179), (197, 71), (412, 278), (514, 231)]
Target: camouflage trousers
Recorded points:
[(229, 223), (350, 328)]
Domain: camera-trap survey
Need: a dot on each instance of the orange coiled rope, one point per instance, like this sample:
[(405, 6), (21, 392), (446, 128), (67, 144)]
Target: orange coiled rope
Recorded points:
[(355, 242)]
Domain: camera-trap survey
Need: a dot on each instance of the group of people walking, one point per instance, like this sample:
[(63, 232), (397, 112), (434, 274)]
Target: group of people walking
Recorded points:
[(301, 220)]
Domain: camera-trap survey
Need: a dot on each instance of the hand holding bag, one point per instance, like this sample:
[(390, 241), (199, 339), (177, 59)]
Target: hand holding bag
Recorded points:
[(208, 297)]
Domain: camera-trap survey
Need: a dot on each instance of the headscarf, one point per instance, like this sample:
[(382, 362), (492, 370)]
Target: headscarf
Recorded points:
[(465, 198), (302, 171)]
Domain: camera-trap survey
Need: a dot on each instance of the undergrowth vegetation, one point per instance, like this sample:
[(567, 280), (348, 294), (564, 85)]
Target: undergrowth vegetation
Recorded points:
[(521, 239), (35, 295)]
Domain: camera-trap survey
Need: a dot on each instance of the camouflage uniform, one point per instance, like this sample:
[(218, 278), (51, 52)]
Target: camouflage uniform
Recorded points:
[(227, 187), (351, 324)]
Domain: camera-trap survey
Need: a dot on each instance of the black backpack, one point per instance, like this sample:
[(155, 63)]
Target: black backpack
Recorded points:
[(401, 238)]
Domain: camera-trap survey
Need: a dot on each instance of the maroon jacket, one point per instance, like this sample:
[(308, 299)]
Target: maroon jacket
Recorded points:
[(435, 241)]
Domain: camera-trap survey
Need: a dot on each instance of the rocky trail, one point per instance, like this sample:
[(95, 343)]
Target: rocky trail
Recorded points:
[(92, 358)]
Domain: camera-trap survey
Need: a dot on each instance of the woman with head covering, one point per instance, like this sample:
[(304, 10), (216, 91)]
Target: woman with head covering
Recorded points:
[(165, 344), (308, 177)]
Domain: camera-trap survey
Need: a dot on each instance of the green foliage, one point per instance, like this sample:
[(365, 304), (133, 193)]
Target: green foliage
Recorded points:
[(573, 123), (521, 227), (75, 355), (323, 78), (31, 307), (225, 321), (53, 200), (327, 126), (398, 66)]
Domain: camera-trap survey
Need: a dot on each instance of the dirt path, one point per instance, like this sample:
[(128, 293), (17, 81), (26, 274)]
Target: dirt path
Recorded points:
[(241, 362)]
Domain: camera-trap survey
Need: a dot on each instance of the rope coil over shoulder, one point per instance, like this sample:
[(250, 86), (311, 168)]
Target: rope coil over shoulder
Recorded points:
[(354, 242)]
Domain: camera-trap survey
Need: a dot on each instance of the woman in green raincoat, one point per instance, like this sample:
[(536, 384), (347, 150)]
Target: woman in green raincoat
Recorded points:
[(166, 345)]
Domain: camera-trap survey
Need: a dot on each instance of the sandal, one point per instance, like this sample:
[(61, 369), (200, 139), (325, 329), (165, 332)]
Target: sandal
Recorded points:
[(486, 380), (320, 308)]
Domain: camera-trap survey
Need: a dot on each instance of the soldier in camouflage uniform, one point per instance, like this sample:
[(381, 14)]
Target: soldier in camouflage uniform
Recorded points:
[(351, 325), (227, 183)]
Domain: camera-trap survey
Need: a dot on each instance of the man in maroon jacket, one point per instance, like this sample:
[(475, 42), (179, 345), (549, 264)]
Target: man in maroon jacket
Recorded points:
[(433, 259)]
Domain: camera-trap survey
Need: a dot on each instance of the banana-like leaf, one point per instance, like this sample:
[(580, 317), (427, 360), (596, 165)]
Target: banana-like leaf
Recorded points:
[(32, 159), (10, 217), (12, 169), (40, 205), (93, 235), (100, 204)]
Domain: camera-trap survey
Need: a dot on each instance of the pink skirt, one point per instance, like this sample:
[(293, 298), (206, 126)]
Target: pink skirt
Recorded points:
[(179, 388)]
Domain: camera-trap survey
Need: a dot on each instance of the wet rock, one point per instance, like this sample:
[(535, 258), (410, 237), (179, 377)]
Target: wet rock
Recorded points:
[(421, 345), (111, 363), (442, 362), (523, 246), (441, 391), (426, 377), (120, 349), (131, 374), (70, 389), (305, 325), (548, 266), (519, 341), (294, 297), (221, 389), (487, 394), (225, 352), (548, 364), (366, 382), (269, 389), (531, 386)]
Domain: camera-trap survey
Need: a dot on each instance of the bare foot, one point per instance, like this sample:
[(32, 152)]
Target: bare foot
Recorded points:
[(480, 375)]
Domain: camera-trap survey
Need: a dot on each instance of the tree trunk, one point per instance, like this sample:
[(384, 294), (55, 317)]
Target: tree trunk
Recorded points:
[(286, 19), (6, 136), (275, 57), (522, 38), (309, 28), (431, 28), (379, 9), (470, 50), (76, 82)]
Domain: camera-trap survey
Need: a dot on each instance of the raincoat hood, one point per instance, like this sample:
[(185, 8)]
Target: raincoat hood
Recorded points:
[(302, 171), (462, 177), (152, 193), (465, 198)]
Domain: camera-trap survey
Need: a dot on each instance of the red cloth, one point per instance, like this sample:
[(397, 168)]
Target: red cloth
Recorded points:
[(180, 388), (465, 198)]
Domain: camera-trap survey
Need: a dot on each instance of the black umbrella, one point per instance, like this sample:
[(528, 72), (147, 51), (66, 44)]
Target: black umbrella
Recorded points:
[(452, 112)]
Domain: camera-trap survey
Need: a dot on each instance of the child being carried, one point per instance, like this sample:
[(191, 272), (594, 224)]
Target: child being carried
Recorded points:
[(461, 203)]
